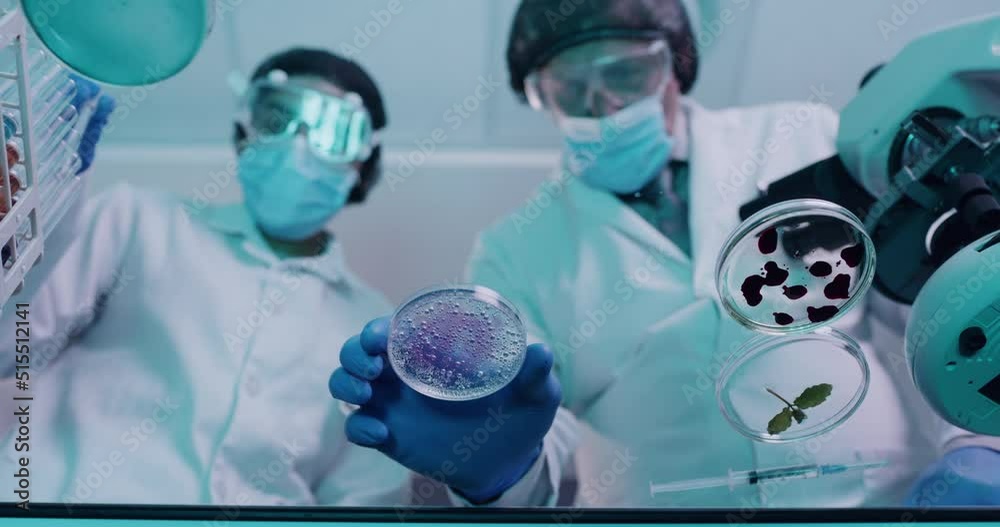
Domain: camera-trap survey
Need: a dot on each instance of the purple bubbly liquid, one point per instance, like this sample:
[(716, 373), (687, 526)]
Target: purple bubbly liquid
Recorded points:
[(456, 346)]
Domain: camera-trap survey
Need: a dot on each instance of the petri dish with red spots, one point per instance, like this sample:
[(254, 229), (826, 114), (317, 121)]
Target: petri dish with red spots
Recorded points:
[(795, 266), (457, 343), (780, 389)]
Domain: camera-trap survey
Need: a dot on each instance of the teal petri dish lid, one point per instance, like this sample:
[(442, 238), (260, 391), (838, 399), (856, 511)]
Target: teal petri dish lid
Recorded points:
[(124, 42)]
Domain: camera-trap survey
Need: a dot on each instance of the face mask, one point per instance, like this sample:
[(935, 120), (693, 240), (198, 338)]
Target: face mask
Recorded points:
[(621, 152), (290, 193)]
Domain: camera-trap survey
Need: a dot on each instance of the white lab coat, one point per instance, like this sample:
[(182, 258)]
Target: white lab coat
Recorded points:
[(633, 321), (176, 360)]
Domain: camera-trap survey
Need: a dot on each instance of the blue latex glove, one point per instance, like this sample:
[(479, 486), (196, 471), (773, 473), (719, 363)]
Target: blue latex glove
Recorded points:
[(87, 91), (480, 448), (968, 476)]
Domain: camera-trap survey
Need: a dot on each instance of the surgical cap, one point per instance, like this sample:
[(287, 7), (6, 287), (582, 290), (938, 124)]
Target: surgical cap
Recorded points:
[(544, 28)]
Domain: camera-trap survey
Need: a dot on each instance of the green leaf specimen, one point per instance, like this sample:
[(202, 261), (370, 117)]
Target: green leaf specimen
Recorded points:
[(780, 422), (811, 397)]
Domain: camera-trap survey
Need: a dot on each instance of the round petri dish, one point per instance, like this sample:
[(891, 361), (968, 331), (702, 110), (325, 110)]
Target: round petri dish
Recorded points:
[(783, 389), (795, 266), (125, 42), (457, 343)]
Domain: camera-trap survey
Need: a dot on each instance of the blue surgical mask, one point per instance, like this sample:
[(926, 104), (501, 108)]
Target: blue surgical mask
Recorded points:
[(290, 193), (619, 153)]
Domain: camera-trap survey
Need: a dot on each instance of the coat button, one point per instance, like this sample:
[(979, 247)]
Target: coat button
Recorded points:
[(253, 386)]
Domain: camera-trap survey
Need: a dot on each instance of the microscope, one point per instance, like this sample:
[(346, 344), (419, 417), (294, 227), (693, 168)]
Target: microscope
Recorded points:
[(918, 162)]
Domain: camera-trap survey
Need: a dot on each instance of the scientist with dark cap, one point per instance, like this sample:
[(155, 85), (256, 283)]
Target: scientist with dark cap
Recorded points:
[(611, 264), (182, 346)]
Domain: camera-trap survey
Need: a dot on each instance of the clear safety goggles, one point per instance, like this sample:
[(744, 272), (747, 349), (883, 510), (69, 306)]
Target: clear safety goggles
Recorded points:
[(602, 86), (338, 129)]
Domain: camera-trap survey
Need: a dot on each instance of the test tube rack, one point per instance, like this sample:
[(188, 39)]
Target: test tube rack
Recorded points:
[(25, 213), (43, 197)]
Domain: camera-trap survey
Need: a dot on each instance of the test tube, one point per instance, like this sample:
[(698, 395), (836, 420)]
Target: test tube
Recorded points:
[(61, 200), (51, 148), (23, 235), (58, 173), (53, 103), (47, 112), (49, 169), (62, 88), (40, 81), (56, 129), (55, 213), (44, 68), (59, 131), (8, 86), (53, 161)]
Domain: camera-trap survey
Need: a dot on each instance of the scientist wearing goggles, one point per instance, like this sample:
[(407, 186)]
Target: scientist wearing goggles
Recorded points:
[(611, 264), (179, 346)]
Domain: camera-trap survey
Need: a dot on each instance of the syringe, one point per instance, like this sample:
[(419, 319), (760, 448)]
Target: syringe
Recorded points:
[(754, 477)]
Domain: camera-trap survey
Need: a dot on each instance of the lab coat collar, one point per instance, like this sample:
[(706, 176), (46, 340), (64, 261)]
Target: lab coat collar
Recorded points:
[(622, 217), (610, 210), (681, 135), (713, 213), (234, 219), (714, 208)]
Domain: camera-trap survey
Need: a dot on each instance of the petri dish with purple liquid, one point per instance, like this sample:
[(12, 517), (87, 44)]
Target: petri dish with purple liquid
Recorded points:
[(795, 266), (456, 343)]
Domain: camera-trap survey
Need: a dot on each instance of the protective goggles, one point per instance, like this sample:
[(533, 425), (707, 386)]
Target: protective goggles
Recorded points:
[(338, 129), (601, 86)]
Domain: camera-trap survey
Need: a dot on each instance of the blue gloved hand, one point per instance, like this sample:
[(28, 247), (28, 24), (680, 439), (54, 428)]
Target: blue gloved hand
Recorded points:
[(480, 448), (968, 476), (87, 91)]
